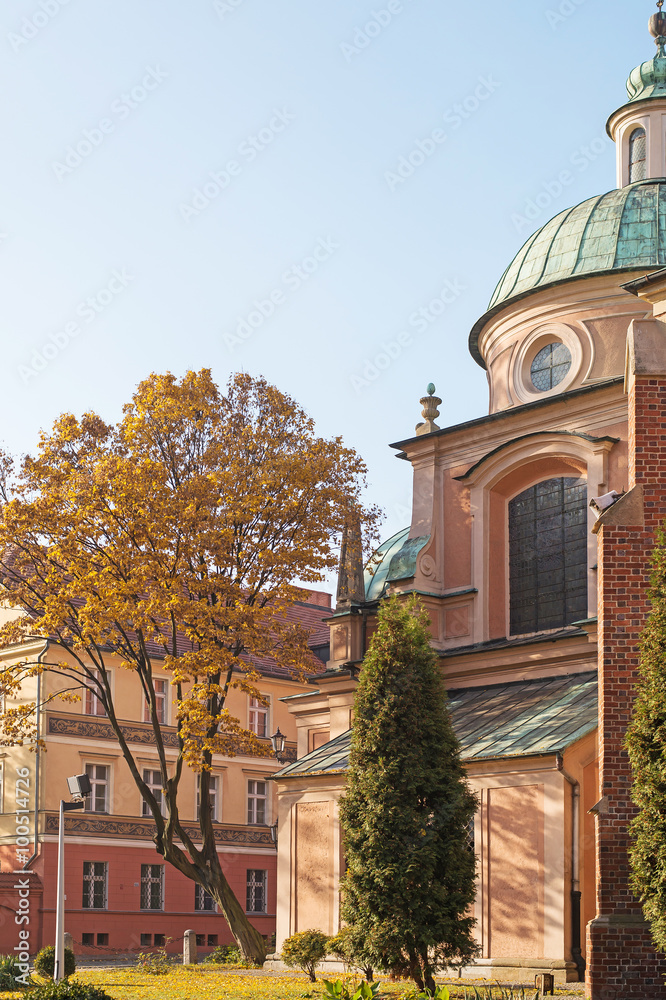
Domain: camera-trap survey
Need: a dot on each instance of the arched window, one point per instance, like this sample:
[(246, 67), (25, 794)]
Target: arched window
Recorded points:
[(637, 148), (548, 555)]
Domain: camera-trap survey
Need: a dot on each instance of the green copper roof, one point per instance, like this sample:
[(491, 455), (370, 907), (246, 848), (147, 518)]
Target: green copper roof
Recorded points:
[(623, 230), (376, 572), (517, 719), (648, 79)]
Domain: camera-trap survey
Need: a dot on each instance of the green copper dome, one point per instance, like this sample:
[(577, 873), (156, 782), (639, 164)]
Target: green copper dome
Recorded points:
[(623, 230), (648, 79)]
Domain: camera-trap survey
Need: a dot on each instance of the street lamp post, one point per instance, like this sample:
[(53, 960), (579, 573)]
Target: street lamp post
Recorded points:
[(79, 787)]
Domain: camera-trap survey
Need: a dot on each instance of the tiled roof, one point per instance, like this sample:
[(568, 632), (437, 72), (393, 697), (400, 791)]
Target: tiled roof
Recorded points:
[(517, 719)]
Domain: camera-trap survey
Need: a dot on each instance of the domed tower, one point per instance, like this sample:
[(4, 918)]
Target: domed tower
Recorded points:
[(558, 317)]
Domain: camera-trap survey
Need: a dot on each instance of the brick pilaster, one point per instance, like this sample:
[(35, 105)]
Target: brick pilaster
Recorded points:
[(621, 960)]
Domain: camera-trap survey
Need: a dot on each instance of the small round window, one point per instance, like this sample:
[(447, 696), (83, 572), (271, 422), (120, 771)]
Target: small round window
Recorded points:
[(550, 366)]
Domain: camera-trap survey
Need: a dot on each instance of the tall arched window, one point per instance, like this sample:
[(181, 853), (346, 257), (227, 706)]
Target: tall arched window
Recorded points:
[(548, 555), (637, 152)]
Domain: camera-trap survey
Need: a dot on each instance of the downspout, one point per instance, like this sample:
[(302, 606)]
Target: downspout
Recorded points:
[(35, 848), (576, 952)]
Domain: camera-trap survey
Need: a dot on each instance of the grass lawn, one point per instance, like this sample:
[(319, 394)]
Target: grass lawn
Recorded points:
[(218, 983)]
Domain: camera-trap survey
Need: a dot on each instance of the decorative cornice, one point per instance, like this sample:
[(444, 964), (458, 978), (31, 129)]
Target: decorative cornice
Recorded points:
[(93, 728), (95, 825)]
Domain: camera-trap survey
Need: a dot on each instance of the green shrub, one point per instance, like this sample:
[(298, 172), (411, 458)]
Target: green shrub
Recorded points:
[(342, 945), (154, 963), (66, 990), (9, 973), (304, 950), (45, 961), (225, 954)]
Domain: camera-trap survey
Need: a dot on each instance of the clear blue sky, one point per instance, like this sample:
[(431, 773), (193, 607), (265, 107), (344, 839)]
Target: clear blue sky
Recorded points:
[(115, 113)]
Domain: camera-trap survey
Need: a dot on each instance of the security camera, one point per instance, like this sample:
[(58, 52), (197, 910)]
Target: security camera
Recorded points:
[(602, 503)]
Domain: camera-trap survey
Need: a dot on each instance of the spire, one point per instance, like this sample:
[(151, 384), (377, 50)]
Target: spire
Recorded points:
[(351, 585), (657, 27), (649, 79)]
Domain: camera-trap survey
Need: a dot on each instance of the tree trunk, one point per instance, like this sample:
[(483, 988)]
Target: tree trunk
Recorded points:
[(249, 940)]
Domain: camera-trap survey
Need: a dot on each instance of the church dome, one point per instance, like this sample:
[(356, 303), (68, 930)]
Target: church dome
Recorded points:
[(622, 230)]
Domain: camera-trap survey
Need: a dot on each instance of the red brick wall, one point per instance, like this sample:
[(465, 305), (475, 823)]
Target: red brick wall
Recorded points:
[(621, 961)]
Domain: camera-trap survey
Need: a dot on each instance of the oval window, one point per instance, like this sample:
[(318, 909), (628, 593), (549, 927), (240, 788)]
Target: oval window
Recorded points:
[(550, 366)]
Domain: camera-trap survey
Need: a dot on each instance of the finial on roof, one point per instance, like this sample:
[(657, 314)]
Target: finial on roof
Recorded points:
[(351, 585), (657, 26), (430, 412)]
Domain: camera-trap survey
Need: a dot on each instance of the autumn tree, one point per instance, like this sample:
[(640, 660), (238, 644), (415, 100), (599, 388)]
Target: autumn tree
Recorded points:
[(646, 744), (173, 539), (410, 878)]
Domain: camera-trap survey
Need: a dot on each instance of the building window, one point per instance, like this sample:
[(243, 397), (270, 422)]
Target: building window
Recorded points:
[(550, 366), (637, 155), (146, 940), (87, 939), (154, 781), (98, 800), (258, 718), (93, 704), (214, 795), (94, 885), (202, 899), (256, 803), (103, 940), (152, 887), (2, 787), (548, 555), (255, 900), (161, 688)]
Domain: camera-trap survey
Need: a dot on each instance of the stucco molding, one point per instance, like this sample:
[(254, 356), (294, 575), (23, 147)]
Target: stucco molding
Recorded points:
[(106, 826)]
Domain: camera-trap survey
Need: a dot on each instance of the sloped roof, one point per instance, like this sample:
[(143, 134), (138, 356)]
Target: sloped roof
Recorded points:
[(517, 719)]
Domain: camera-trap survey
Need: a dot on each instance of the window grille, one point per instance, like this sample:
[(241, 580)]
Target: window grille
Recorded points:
[(94, 885), (548, 555), (256, 891), (637, 155), (152, 887), (550, 366), (203, 899)]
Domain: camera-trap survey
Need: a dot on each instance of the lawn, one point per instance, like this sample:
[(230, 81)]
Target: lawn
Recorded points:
[(217, 983)]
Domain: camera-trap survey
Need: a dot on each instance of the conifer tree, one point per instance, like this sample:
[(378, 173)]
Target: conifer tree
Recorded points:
[(646, 744), (410, 876)]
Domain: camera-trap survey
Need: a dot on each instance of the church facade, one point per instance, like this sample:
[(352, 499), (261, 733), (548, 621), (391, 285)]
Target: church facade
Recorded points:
[(536, 597)]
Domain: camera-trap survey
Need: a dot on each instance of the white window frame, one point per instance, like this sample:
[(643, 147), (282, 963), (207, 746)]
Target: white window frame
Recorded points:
[(92, 703), (148, 775), (148, 879), (252, 883), (89, 881), (215, 797), (95, 782), (257, 802), (161, 687), (259, 717)]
